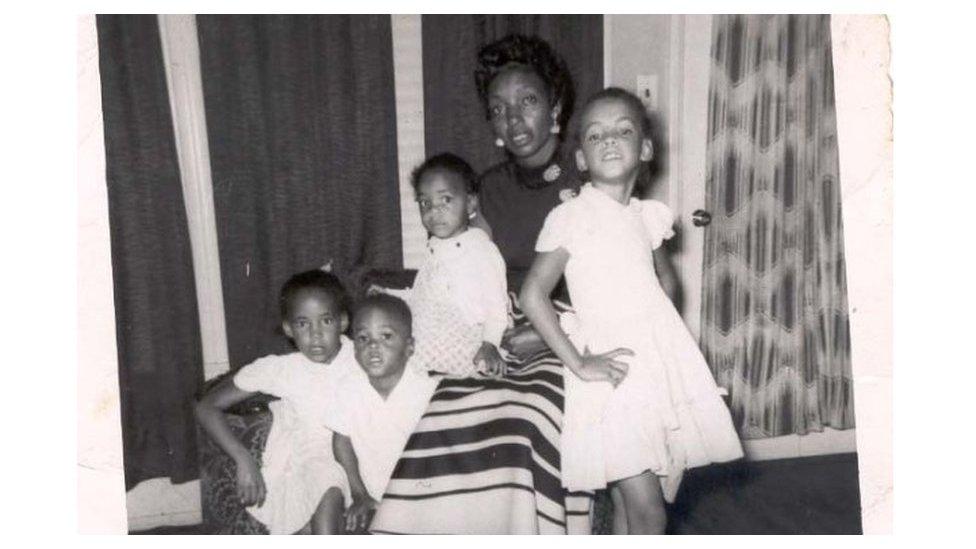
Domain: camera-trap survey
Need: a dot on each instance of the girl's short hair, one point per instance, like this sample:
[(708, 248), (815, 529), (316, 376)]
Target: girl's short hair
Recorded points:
[(620, 94), (389, 304), (534, 53), (450, 163), (313, 279)]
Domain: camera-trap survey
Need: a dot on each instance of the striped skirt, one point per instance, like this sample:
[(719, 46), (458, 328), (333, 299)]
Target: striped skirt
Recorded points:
[(484, 459)]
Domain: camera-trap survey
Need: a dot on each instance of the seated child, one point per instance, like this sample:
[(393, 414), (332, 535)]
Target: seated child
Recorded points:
[(459, 298), (379, 404), (299, 480)]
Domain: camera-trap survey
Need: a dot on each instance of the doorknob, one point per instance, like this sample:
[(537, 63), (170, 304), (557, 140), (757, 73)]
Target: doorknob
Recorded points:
[(700, 218)]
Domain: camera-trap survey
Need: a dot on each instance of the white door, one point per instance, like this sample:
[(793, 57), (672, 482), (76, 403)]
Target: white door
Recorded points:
[(688, 79)]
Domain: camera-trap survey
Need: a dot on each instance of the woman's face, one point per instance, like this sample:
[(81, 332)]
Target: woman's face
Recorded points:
[(521, 114)]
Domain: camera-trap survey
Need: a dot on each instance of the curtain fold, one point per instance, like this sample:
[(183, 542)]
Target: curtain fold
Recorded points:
[(774, 305), (302, 128), (158, 330), (454, 119)]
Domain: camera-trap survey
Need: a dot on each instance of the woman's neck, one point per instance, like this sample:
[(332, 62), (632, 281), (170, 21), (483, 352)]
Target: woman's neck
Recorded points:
[(618, 191), (542, 156)]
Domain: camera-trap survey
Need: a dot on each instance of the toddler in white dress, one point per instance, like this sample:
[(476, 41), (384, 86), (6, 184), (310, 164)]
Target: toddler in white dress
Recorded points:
[(459, 298), (641, 404)]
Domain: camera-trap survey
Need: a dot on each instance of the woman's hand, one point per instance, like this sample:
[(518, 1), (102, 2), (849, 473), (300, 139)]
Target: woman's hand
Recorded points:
[(250, 483), (523, 341), (603, 367), (360, 513), (488, 361)]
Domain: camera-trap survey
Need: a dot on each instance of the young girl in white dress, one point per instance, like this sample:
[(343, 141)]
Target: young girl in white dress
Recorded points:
[(298, 482), (641, 404)]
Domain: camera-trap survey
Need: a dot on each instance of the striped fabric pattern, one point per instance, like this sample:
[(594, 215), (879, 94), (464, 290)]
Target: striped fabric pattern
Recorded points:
[(484, 459)]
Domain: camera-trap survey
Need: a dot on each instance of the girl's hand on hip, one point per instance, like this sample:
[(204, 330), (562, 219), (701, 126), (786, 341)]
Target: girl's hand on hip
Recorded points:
[(250, 483), (603, 367)]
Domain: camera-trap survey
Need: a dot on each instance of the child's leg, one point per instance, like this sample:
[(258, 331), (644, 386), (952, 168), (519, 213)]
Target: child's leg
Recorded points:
[(327, 518), (619, 511), (644, 504)]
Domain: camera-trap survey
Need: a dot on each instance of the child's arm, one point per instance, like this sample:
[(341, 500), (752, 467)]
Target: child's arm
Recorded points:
[(546, 270), (490, 289), (667, 276), (209, 412), (357, 517)]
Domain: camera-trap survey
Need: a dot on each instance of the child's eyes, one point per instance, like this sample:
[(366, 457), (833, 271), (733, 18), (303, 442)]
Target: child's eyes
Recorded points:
[(627, 131), (530, 100), (593, 137)]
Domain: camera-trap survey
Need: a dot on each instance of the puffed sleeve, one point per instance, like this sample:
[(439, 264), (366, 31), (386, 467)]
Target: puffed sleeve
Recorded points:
[(480, 287), (494, 295), (658, 220), (264, 375), (558, 229)]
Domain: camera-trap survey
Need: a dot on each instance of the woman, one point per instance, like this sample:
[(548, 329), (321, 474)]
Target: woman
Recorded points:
[(485, 456)]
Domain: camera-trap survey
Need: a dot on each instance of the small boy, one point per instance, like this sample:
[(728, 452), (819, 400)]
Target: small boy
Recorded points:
[(377, 406)]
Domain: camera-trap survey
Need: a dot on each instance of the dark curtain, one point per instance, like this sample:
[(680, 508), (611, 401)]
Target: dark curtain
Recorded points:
[(453, 114), (302, 129), (158, 330), (774, 294)]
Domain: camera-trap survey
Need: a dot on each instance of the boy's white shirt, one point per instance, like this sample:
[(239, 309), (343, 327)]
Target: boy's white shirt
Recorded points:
[(379, 428), (477, 280)]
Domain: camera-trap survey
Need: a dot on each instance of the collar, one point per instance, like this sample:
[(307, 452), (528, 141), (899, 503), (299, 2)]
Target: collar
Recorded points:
[(601, 199), (460, 242)]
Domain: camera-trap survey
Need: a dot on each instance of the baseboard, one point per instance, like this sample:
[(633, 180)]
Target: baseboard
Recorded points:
[(158, 502)]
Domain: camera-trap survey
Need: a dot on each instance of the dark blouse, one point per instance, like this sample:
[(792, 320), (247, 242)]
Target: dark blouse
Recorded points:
[(515, 202)]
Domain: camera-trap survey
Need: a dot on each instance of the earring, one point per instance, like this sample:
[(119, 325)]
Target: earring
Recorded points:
[(554, 129), (499, 142), (472, 215)]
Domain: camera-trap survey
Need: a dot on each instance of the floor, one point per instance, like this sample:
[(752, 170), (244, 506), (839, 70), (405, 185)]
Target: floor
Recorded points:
[(813, 495)]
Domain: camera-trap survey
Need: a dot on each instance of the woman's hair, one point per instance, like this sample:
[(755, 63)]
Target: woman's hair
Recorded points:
[(450, 163), (534, 53), (391, 305), (314, 279), (632, 101)]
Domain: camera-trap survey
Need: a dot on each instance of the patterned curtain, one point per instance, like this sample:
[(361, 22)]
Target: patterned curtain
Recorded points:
[(775, 327), (302, 129)]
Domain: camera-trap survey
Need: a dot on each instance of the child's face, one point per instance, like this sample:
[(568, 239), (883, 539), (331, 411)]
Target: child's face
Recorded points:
[(315, 323), (382, 343), (612, 144), (444, 203)]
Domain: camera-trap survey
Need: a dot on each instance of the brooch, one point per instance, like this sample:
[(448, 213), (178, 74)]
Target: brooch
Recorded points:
[(567, 194), (552, 173)]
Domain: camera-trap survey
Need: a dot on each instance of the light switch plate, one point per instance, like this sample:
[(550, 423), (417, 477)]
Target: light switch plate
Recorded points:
[(647, 90)]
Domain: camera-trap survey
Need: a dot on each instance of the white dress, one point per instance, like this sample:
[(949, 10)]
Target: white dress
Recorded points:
[(667, 414), (298, 465), (459, 299)]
